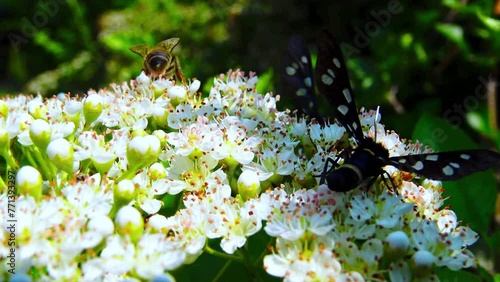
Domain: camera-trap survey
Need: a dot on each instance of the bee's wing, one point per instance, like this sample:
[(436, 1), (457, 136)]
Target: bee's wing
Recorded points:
[(168, 44), (445, 166), (141, 49)]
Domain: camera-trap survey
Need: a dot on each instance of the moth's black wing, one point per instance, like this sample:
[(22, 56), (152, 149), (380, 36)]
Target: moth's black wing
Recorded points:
[(333, 82), (297, 76), (445, 166)]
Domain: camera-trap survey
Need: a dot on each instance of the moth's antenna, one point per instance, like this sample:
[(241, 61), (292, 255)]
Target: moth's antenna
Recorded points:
[(375, 122)]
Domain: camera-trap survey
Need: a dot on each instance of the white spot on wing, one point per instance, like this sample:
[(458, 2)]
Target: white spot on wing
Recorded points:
[(308, 82), (290, 71), (301, 92), (331, 73), (402, 161), (343, 109), (326, 79), (336, 62), (347, 95), (448, 170), (304, 59), (432, 157), (418, 165), (465, 156), (455, 165)]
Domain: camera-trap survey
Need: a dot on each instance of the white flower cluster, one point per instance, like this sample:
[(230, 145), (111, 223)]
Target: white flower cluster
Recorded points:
[(133, 182)]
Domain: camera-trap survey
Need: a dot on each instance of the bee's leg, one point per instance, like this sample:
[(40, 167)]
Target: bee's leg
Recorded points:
[(178, 71)]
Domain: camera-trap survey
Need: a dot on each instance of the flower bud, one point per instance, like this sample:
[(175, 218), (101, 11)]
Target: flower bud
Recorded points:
[(422, 263), (160, 116), (396, 245), (102, 225), (248, 185), (61, 96), (73, 109), (20, 277), (158, 223), (29, 182), (124, 192), (177, 94), (40, 132), (162, 136), (92, 108), (129, 222), (165, 277), (37, 109), (60, 152), (103, 162), (142, 151)]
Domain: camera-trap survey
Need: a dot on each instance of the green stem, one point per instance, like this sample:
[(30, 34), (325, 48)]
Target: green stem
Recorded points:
[(128, 174), (114, 211), (26, 153), (249, 264), (43, 164), (11, 162), (261, 257), (78, 11), (222, 270), (213, 252)]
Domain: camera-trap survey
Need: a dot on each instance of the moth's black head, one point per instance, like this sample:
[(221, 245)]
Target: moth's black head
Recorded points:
[(376, 148)]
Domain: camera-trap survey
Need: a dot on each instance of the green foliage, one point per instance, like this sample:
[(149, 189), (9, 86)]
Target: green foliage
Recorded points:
[(265, 82), (76, 47), (220, 269), (457, 276)]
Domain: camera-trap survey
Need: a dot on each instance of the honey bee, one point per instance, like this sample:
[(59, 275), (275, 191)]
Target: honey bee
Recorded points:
[(158, 60)]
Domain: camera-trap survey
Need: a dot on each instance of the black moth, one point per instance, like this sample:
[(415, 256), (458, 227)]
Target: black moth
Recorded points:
[(365, 163)]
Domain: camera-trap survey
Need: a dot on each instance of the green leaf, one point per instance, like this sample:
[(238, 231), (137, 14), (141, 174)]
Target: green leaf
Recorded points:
[(207, 85), (213, 268), (446, 274), (43, 39), (472, 198), (493, 242), (421, 53), (491, 23), (455, 4), (455, 34), (264, 85), (406, 40)]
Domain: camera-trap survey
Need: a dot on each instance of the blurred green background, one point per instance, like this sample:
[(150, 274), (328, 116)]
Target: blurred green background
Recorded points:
[(421, 61)]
